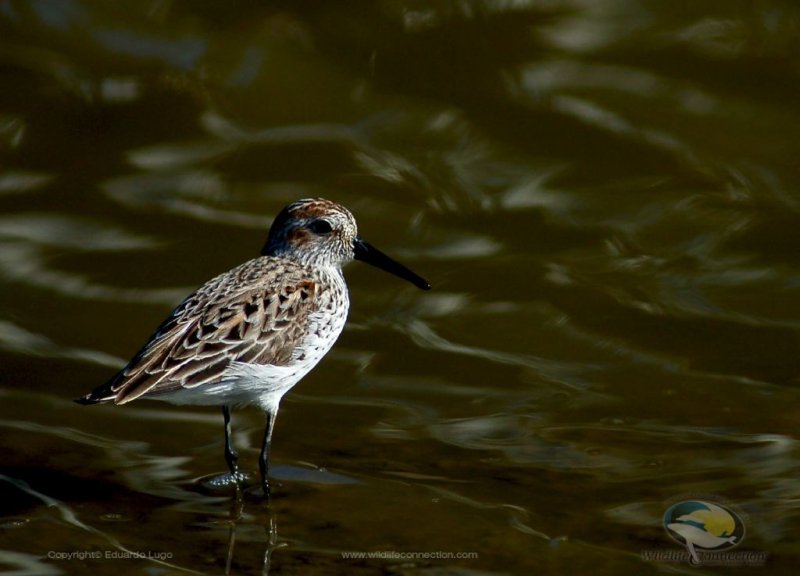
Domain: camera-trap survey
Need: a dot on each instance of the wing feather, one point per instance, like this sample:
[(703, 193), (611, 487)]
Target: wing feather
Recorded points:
[(256, 313)]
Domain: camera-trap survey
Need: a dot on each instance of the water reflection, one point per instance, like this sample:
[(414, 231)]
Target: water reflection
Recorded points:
[(27, 564), (28, 266), (605, 193), (271, 528), (18, 340)]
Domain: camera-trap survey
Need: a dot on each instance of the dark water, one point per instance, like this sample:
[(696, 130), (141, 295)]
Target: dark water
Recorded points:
[(605, 195)]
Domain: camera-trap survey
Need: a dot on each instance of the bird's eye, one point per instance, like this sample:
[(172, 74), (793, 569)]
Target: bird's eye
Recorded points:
[(320, 227)]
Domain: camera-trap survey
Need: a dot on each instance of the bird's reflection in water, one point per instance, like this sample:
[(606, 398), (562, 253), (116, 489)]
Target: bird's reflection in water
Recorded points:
[(250, 509), (238, 502)]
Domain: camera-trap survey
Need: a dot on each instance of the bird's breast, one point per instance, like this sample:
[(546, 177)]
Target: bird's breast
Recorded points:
[(325, 323)]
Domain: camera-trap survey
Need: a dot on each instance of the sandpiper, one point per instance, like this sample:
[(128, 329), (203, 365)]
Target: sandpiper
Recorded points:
[(250, 334)]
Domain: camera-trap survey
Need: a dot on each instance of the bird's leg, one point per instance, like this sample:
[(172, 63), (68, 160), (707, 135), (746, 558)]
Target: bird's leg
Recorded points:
[(231, 456), (263, 459)]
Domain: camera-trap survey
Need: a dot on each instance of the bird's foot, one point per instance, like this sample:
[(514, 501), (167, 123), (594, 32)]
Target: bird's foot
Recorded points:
[(223, 483), (240, 478)]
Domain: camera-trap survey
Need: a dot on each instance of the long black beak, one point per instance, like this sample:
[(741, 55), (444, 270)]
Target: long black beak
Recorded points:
[(371, 255)]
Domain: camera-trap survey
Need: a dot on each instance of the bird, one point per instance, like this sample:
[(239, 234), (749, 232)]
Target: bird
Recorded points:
[(247, 336)]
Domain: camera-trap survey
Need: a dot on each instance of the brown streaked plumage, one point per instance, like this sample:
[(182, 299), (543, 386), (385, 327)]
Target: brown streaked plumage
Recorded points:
[(250, 334), (264, 324)]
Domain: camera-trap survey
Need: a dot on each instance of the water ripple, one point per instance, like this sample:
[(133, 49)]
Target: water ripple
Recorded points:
[(14, 338), (71, 232), (27, 264)]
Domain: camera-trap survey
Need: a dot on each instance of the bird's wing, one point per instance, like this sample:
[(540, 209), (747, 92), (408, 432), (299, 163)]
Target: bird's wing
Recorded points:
[(257, 313)]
